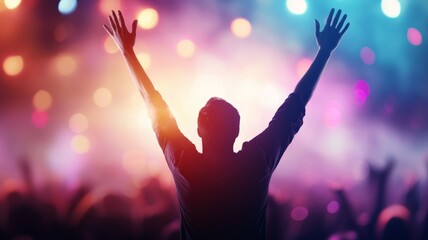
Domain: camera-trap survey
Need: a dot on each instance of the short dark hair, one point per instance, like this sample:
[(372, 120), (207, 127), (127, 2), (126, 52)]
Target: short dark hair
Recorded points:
[(219, 119)]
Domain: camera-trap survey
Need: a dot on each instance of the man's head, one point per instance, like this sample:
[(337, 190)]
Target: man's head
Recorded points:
[(218, 122)]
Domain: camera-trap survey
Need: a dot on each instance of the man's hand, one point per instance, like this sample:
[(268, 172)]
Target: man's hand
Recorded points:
[(125, 40), (329, 37)]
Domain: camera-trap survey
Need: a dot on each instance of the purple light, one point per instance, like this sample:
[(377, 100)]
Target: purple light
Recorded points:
[(414, 36), (361, 92), (367, 55), (39, 119), (333, 207), (299, 213)]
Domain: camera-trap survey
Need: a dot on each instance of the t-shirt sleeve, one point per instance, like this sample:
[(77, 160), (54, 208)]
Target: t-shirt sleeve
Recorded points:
[(274, 140), (173, 143)]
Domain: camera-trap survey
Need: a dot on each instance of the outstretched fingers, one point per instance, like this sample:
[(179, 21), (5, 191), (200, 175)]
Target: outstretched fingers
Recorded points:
[(116, 21), (344, 30), (108, 30), (122, 21), (342, 21), (336, 18), (330, 16)]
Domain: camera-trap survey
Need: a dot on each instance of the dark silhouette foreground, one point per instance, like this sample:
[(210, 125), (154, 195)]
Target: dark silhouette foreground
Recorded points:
[(223, 194)]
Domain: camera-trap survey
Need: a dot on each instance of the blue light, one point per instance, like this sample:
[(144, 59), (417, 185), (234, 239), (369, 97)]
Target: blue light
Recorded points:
[(67, 6), (391, 8), (297, 7)]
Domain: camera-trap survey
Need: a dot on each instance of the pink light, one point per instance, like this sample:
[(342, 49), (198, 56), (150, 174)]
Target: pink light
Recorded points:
[(414, 36), (367, 55), (39, 118), (303, 66), (333, 207), (361, 92), (332, 115), (299, 213)]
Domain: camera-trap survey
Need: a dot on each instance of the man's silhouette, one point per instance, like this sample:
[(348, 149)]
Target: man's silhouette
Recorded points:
[(223, 194)]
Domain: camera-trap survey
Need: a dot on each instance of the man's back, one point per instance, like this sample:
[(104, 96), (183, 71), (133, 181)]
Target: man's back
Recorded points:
[(225, 197)]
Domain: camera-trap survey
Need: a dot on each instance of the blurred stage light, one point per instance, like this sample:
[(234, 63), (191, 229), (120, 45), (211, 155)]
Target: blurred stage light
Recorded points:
[(106, 6), (67, 6), (13, 65), (299, 213), (39, 118), (414, 36), (78, 123), (333, 207), (241, 27), (80, 144), (270, 97), (42, 100), (361, 92), (12, 4), (65, 64), (391, 8), (148, 18), (297, 7), (145, 61), (367, 55), (185, 48), (110, 46), (332, 114), (102, 97)]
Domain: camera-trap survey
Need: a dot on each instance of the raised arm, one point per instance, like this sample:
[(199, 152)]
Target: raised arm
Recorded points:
[(125, 40), (327, 39)]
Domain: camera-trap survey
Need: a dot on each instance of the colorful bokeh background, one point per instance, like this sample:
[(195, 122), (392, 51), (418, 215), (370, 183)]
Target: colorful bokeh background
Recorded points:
[(69, 106)]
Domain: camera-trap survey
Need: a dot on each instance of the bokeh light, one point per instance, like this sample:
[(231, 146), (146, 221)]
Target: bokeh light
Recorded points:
[(361, 92), (148, 18), (110, 46), (13, 65), (333, 207), (391, 8), (297, 7), (65, 64), (42, 100), (332, 114), (414, 36), (106, 6), (145, 60), (185, 48), (78, 123), (367, 55), (80, 144), (102, 97), (241, 27), (39, 118), (12, 4), (67, 6), (299, 213)]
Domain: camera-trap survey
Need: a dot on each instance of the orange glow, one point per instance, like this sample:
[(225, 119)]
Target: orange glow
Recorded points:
[(107, 5), (145, 60), (80, 144), (102, 97), (42, 100), (65, 64), (241, 27), (78, 123), (148, 18), (185, 48), (110, 46), (13, 65), (12, 4)]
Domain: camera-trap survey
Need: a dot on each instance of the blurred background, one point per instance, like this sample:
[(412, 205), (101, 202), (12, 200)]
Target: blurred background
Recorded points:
[(69, 108)]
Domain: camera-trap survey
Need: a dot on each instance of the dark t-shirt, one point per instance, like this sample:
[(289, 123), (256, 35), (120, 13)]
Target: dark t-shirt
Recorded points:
[(225, 198)]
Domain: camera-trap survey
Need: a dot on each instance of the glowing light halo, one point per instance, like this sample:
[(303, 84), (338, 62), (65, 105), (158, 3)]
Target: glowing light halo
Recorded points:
[(391, 8), (297, 7)]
